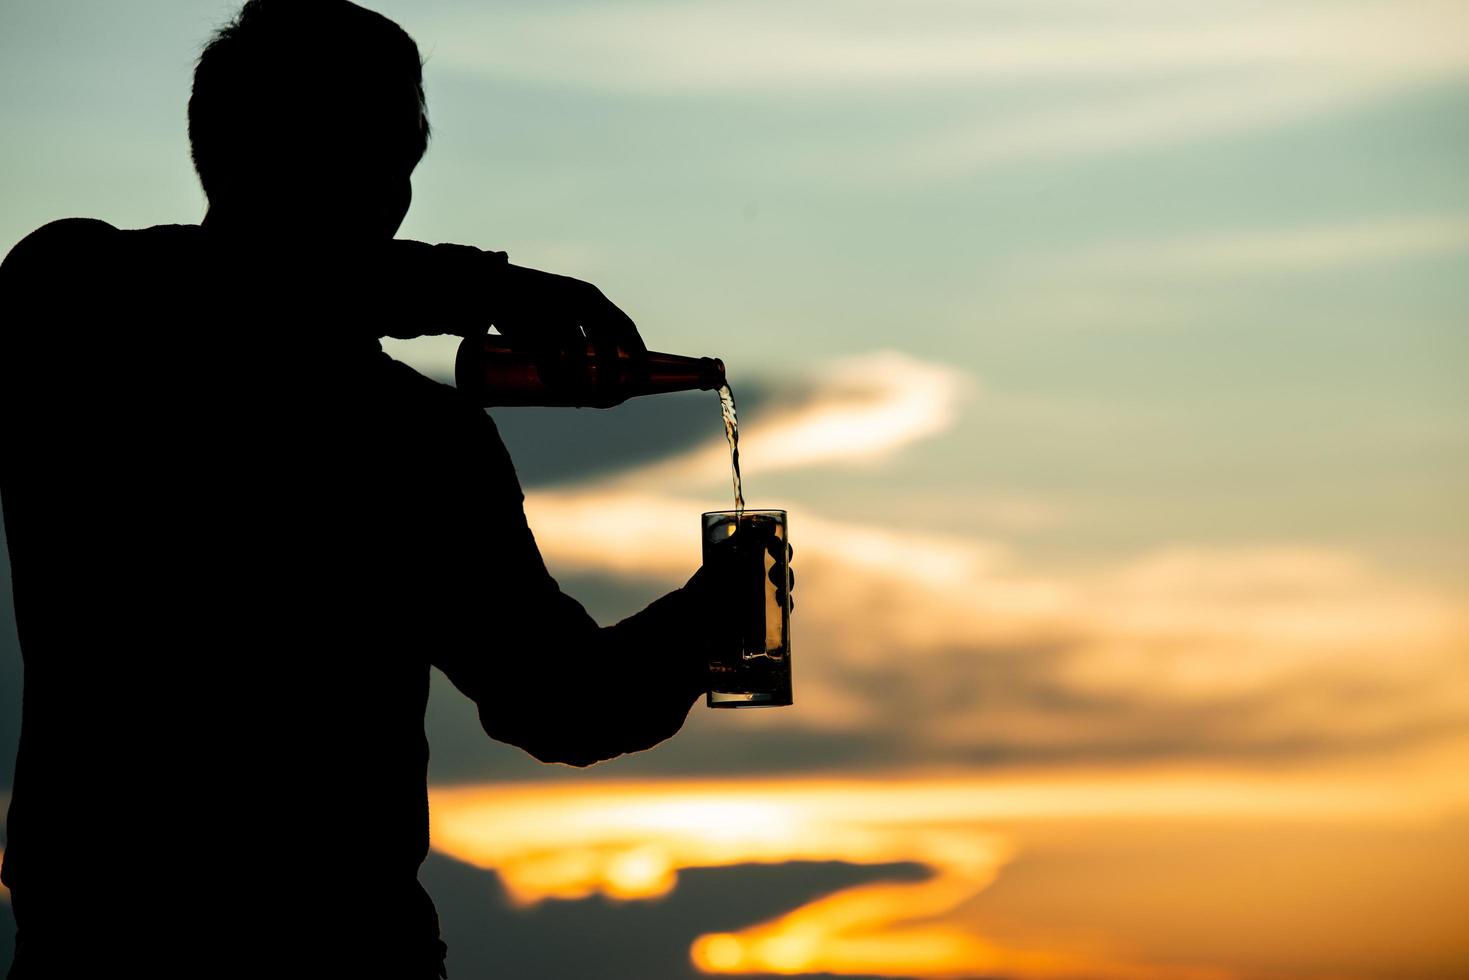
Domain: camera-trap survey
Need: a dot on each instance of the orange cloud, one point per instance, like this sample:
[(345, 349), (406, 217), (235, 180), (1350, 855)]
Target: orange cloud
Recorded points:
[(628, 841), (949, 643)]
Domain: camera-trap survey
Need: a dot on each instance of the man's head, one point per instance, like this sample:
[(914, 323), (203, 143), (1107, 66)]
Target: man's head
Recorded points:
[(309, 113)]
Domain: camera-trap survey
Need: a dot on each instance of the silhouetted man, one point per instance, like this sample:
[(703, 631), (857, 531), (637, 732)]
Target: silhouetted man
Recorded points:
[(241, 534)]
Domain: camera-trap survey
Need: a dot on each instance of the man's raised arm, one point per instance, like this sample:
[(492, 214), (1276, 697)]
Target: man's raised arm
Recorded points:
[(544, 675)]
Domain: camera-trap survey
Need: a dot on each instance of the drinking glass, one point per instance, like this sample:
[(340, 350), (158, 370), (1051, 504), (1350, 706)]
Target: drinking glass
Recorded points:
[(755, 669)]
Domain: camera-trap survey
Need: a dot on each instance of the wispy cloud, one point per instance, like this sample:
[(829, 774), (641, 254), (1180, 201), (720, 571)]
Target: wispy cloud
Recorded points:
[(948, 645), (1092, 124), (667, 48), (860, 410), (1281, 250), (1127, 74)]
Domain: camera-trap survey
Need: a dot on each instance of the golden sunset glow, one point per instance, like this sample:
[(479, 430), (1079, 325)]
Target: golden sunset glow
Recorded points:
[(629, 840)]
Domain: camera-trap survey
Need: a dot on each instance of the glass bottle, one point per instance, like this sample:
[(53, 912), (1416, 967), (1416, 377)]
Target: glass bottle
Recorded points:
[(493, 374)]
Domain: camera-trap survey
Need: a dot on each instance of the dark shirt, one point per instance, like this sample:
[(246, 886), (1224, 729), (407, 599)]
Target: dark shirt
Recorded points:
[(240, 535)]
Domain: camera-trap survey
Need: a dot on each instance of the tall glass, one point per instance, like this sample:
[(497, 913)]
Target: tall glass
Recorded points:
[(755, 671)]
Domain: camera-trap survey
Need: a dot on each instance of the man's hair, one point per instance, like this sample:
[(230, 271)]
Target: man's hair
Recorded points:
[(293, 83)]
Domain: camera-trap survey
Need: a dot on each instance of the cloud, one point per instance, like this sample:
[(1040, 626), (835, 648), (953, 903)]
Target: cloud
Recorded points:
[(1162, 114), (947, 646), (857, 410), (1128, 74), (1273, 251), (631, 840), (765, 46)]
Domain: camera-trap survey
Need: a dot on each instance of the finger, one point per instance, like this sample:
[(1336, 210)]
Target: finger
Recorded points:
[(598, 317), (613, 331), (607, 356), (546, 333), (560, 328), (609, 320), (783, 598), (534, 309)]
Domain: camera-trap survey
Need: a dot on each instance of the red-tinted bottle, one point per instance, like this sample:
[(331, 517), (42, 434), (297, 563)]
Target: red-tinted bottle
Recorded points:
[(493, 374)]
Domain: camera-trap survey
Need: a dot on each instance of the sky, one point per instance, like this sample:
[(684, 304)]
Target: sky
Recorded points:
[(1108, 357)]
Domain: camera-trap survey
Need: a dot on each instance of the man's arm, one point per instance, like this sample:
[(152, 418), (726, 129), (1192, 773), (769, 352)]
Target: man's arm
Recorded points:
[(461, 290), (544, 676)]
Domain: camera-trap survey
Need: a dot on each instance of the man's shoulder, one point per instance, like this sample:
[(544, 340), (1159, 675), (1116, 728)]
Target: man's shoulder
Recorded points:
[(78, 237), (67, 228), (60, 237)]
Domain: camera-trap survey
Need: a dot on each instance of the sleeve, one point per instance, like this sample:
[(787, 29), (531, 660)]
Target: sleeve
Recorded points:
[(544, 676), (449, 284)]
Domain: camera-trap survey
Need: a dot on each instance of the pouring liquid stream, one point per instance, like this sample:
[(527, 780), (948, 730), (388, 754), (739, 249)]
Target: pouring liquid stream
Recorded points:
[(732, 433)]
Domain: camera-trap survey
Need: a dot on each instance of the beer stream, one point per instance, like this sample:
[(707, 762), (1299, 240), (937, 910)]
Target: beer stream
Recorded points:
[(732, 433)]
